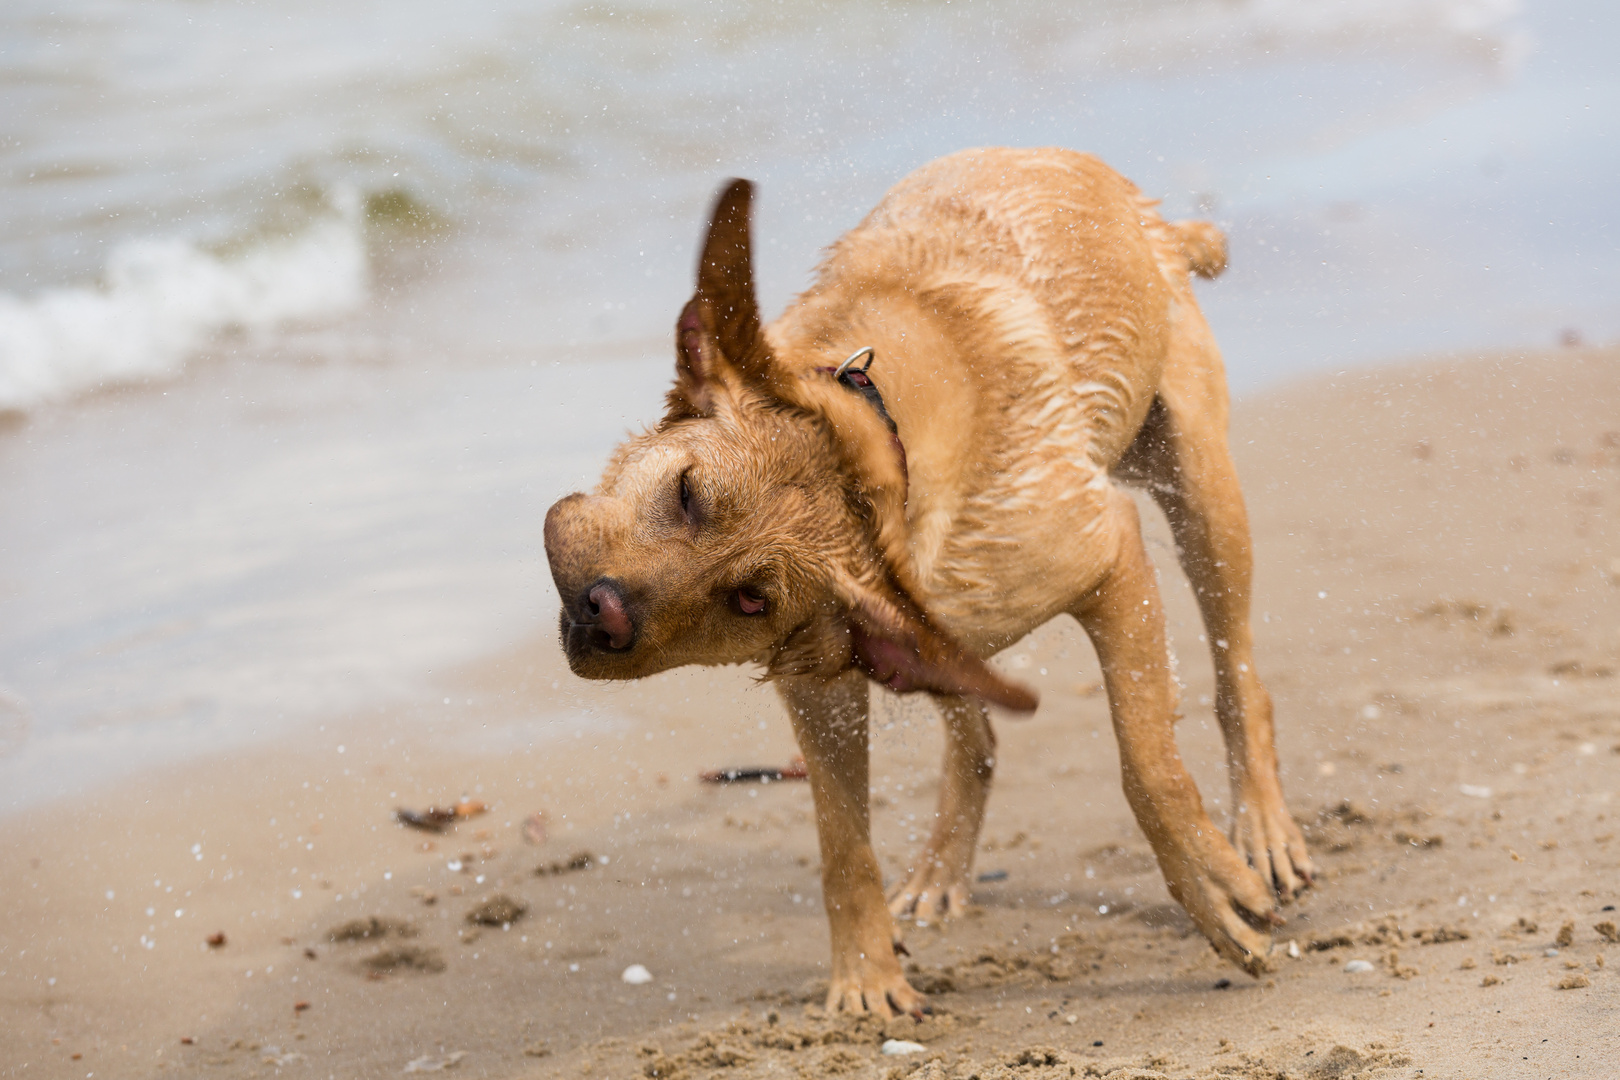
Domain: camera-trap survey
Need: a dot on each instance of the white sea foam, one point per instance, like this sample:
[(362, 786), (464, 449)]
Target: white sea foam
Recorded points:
[(162, 300)]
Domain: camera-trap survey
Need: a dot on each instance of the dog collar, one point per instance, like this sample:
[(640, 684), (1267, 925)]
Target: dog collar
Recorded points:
[(859, 379)]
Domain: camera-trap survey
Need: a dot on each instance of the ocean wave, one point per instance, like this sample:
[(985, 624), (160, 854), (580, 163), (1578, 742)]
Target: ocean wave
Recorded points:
[(1148, 40), (163, 300)]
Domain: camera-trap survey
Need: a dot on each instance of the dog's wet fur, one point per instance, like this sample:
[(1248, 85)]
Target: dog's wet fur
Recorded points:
[(1037, 343)]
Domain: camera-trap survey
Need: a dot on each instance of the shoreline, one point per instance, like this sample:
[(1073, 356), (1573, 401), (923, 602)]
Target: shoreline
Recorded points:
[(234, 380)]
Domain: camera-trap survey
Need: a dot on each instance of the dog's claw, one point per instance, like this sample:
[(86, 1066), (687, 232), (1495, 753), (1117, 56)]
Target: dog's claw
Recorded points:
[(1269, 840), (916, 1011), (1263, 921)]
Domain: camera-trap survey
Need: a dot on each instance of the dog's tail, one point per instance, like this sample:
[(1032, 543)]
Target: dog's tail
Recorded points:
[(1202, 245)]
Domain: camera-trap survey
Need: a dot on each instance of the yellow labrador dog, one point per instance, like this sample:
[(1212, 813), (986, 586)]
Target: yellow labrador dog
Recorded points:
[(914, 467)]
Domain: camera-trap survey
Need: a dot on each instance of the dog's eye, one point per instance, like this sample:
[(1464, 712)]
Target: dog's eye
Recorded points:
[(686, 496), (750, 602)]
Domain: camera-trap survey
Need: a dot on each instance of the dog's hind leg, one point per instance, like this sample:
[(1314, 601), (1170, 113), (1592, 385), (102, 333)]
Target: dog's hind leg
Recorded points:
[(1225, 897), (937, 885), (830, 722), (1181, 453)]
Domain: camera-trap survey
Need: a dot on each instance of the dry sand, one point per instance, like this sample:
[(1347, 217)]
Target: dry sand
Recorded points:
[(1438, 617)]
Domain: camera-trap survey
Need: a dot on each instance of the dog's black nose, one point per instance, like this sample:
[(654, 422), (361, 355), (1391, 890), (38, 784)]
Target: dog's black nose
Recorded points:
[(612, 626)]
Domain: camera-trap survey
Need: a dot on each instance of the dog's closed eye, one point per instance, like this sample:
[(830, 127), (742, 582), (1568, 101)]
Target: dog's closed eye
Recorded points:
[(750, 602), (686, 496)]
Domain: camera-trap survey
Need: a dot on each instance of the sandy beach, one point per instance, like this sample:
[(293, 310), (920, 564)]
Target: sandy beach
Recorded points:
[(1438, 616)]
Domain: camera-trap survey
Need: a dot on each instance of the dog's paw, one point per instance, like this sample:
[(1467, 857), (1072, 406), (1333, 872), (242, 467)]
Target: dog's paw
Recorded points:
[(882, 993), (934, 893), (1268, 838), (1230, 903)]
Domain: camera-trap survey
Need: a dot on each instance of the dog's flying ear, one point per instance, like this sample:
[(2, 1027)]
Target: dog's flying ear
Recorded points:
[(895, 643), (725, 277), (718, 334)]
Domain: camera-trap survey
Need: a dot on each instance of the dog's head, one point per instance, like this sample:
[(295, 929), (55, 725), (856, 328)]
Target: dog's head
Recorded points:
[(735, 532)]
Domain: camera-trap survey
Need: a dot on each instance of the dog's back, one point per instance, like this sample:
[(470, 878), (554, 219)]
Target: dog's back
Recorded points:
[(1055, 296)]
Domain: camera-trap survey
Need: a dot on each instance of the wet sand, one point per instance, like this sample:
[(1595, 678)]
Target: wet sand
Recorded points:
[(1438, 618)]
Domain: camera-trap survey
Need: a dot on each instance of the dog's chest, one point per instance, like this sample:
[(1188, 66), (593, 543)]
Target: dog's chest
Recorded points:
[(1009, 519)]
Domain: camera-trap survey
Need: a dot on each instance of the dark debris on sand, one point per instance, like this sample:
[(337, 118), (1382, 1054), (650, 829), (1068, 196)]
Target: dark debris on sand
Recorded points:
[(579, 860), (406, 958), (370, 928), (498, 910)]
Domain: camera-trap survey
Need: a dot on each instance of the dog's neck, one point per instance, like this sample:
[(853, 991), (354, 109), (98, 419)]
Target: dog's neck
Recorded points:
[(903, 474)]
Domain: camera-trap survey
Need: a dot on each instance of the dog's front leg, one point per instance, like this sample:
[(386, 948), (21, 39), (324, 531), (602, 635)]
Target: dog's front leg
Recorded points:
[(830, 722), (937, 887), (1223, 894)]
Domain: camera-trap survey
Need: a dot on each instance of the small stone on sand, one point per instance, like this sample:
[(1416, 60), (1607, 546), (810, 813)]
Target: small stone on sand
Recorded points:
[(636, 975), (1357, 966)]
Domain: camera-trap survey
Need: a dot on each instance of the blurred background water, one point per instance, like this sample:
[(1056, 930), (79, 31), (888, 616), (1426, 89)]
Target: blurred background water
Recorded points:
[(308, 311)]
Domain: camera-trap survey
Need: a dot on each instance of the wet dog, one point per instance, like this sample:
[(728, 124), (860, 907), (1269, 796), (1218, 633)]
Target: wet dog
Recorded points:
[(912, 468)]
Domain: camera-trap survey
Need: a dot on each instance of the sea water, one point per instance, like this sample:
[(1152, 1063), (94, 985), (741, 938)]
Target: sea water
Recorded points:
[(308, 311)]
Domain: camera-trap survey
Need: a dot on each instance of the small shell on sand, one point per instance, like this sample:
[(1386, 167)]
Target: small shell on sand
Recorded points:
[(901, 1046), (636, 975), (435, 1062), (1356, 966)]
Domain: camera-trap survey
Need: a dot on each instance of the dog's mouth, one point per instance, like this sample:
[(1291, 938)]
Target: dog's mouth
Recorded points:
[(589, 637), (599, 620), (592, 653)]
